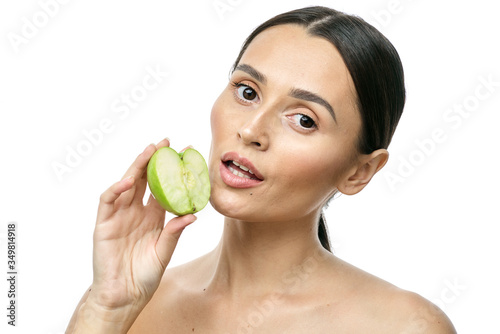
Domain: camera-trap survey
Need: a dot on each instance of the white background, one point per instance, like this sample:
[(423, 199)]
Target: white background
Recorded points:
[(434, 231)]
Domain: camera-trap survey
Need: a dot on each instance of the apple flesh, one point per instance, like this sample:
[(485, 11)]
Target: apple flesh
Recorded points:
[(179, 181)]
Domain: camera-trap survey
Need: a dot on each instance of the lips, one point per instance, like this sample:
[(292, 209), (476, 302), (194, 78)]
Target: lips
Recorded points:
[(239, 172)]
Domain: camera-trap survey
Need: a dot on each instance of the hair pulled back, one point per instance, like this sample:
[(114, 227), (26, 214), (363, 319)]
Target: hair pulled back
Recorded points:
[(373, 63)]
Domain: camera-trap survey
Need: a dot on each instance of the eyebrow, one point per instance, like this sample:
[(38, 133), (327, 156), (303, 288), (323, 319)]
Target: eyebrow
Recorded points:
[(253, 72), (302, 94), (297, 93)]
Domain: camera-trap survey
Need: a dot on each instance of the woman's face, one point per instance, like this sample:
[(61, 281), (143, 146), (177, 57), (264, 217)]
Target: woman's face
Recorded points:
[(289, 116)]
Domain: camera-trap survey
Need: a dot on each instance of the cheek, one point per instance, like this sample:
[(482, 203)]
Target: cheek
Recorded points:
[(218, 121), (315, 170), (221, 121), (215, 116), (324, 158), (215, 126), (222, 128), (316, 174)]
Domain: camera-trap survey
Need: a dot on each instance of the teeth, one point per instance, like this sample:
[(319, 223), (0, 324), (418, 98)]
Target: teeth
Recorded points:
[(240, 174), (246, 169)]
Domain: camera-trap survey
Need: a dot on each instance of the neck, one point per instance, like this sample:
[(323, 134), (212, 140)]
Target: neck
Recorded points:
[(263, 255)]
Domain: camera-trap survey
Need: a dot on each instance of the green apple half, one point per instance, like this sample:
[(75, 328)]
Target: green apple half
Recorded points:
[(179, 181)]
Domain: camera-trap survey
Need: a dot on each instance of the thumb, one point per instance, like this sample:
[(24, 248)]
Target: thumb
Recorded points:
[(167, 241)]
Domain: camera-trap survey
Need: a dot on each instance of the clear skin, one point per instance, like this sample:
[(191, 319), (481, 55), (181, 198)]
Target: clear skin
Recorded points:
[(269, 273)]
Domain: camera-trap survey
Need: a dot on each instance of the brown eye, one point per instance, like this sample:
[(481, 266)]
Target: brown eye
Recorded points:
[(303, 122), (306, 122), (247, 93)]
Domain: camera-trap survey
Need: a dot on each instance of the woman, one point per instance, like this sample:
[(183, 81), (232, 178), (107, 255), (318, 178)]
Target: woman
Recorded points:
[(313, 100)]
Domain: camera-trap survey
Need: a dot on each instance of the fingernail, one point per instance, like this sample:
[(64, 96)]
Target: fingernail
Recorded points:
[(128, 179), (190, 146)]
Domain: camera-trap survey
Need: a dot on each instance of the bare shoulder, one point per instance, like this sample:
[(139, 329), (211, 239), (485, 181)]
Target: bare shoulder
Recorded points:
[(386, 308), (187, 275), (416, 315)]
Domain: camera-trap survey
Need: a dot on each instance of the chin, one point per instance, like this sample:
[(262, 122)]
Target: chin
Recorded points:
[(237, 206), (227, 204), (230, 202)]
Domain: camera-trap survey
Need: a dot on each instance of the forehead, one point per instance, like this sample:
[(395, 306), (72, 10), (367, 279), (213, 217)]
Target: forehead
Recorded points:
[(290, 57)]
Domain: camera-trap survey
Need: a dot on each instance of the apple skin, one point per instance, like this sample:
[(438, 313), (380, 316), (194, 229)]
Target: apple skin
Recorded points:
[(179, 181)]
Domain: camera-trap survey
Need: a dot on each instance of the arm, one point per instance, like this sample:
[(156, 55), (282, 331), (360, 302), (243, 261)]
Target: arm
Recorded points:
[(131, 250), (72, 321), (88, 318)]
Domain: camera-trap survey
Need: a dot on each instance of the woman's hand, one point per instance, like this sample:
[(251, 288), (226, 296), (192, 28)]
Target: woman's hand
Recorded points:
[(131, 248)]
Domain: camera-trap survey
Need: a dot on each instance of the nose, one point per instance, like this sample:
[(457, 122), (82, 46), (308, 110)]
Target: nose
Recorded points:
[(255, 132)]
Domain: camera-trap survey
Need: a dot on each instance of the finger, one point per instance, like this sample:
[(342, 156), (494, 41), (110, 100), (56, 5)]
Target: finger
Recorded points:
[(141, 162), (170, 235), (164, 143), (108, 197), (141, 184), (154, 206), (138, 171), (185, 148)]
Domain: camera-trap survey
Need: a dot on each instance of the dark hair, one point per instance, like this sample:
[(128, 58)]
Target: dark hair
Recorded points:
[(373, 63)]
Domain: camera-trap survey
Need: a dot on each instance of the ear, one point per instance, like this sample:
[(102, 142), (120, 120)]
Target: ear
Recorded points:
[(362, 173)]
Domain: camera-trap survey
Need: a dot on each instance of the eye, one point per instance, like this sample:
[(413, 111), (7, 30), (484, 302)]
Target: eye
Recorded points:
[(245, 92), (304, 121)]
